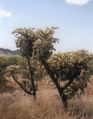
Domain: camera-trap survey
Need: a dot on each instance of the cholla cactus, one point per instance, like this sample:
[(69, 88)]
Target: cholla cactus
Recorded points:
[(72, 68), (34, 44), (44, 45), (24, 40)]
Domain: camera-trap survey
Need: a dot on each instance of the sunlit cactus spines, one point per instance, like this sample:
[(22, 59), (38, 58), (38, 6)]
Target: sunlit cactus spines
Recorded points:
[(24, 40), (44, 45), (73, 65)]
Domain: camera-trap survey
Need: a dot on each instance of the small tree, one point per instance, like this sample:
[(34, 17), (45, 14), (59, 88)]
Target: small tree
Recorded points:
[(72, 69)]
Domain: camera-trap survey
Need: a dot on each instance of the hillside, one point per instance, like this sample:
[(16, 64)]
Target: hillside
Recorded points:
[(8, 52)]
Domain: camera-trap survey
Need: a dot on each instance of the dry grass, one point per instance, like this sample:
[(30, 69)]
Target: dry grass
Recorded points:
[(15, 104)]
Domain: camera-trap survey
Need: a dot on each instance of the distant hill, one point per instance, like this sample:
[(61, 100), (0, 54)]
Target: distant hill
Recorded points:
[(9, 52)]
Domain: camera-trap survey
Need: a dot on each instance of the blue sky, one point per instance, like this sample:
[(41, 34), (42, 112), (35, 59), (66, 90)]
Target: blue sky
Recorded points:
[(73, 17)]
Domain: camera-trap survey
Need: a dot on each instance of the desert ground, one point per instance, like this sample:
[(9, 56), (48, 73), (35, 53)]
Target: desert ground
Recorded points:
[(16, 104)]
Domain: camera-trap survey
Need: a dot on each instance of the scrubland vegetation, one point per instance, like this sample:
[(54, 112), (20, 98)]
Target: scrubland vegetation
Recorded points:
[(41, 84)]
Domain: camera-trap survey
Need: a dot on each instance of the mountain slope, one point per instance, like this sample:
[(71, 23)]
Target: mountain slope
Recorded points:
[(9, 52)]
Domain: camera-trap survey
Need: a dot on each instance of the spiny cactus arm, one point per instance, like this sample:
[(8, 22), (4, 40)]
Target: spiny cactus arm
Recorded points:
[(31, 77), (22, 87), (72, 75), (68, 84), (54, 79)]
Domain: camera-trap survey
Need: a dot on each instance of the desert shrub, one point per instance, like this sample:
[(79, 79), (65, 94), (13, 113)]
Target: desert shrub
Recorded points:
[(2, 69), (6, 61), (13, 60)]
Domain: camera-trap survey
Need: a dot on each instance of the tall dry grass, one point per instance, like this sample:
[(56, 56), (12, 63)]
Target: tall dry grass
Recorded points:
[(15, 104)]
